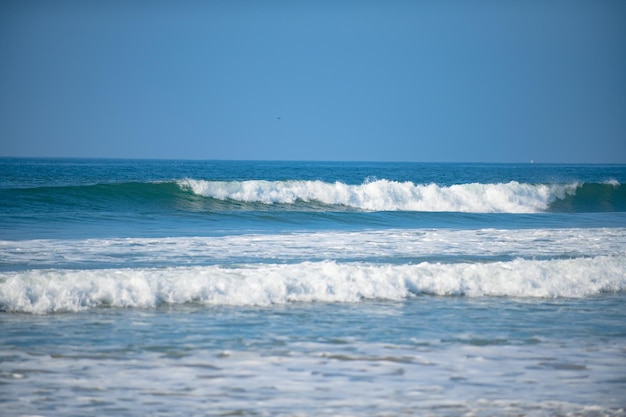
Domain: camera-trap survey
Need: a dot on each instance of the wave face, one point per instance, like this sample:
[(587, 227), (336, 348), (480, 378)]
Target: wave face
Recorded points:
[(44, 291), (385, 195)]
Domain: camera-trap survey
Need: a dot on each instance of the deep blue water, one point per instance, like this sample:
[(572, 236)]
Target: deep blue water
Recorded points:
[(136, 287)]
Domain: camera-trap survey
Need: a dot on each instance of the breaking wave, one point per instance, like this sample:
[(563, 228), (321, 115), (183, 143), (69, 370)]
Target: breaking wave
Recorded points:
[(385, 195), (62, 290), (305, 195)]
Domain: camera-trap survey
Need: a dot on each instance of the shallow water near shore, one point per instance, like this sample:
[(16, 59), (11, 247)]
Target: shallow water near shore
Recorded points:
[(428, 355)]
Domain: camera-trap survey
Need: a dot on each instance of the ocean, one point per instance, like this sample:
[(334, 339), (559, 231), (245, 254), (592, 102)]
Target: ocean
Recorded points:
[(262, 288)]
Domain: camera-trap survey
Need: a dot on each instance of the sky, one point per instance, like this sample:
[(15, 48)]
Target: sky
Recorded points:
[(426, 81)]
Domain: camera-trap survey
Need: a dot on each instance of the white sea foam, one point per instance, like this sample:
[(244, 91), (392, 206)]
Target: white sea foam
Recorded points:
[(385, 195), (43, 291), (415, 245)]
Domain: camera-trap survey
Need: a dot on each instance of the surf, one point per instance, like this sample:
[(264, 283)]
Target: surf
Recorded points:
[(64, 290), (387, 195), (377, 195)]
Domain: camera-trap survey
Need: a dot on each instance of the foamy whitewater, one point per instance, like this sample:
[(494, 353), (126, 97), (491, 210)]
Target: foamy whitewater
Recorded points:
[(384, 195), (173, 288)]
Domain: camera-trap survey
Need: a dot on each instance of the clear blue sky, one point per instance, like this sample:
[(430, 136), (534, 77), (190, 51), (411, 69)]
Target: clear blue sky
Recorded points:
[(472, 81)]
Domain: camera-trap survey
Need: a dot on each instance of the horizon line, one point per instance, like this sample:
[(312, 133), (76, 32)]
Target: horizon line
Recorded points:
[(109, 158)]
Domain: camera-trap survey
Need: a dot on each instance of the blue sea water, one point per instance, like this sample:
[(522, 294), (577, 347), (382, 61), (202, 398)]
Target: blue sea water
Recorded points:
[(171, 288)]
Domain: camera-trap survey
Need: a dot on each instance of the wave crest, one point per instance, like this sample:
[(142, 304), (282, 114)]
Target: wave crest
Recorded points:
[(385, 195), (45, 291)]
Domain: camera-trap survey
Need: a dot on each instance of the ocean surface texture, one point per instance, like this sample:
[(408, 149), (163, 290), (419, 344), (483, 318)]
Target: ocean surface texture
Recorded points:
[(207, 288)]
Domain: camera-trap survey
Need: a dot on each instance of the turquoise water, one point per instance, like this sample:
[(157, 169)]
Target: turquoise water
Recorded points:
[(306, 288)]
